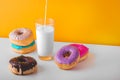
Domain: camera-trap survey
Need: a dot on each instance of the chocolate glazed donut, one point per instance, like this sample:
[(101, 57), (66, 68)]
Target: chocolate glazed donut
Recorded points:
[(23, 65)]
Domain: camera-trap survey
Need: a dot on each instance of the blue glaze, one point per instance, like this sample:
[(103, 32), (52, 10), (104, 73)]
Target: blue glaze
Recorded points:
[(21, 47)]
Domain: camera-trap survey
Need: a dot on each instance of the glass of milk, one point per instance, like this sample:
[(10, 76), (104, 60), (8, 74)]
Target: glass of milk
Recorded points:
[(45, 38)]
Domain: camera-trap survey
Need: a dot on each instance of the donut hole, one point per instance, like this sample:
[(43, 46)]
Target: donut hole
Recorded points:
[(67, 54), (21, 59), (19, 33)]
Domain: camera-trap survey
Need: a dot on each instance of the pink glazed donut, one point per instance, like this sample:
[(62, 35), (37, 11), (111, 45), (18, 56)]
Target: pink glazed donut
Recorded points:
[(83, 51), (21, 36), (67, 57)]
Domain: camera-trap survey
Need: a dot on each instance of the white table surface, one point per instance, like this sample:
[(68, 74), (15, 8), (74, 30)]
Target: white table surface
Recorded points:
[(103, 63)]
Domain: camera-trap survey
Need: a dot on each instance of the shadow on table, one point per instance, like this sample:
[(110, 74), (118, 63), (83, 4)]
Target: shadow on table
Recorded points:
[(87, 63)]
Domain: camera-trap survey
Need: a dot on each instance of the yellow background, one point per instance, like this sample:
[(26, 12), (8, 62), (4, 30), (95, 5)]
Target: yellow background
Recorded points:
[(86, 21)]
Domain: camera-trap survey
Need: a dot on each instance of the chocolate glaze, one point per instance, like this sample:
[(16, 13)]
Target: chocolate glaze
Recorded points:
[(23, 63)]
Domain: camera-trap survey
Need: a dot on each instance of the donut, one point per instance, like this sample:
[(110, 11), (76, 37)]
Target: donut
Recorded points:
[(67, 57), (22, 40), (24, 49), (83, 51), (21, 36), (22, 65)]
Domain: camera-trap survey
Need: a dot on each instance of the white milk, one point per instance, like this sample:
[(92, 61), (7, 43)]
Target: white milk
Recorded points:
[(45, 40)]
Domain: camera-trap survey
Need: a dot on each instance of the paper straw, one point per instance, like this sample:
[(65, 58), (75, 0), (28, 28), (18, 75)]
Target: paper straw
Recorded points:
[(46, 4)]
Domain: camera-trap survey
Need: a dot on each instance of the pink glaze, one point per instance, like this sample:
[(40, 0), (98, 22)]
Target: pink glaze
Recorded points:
[(83, 49), (20, 34)]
